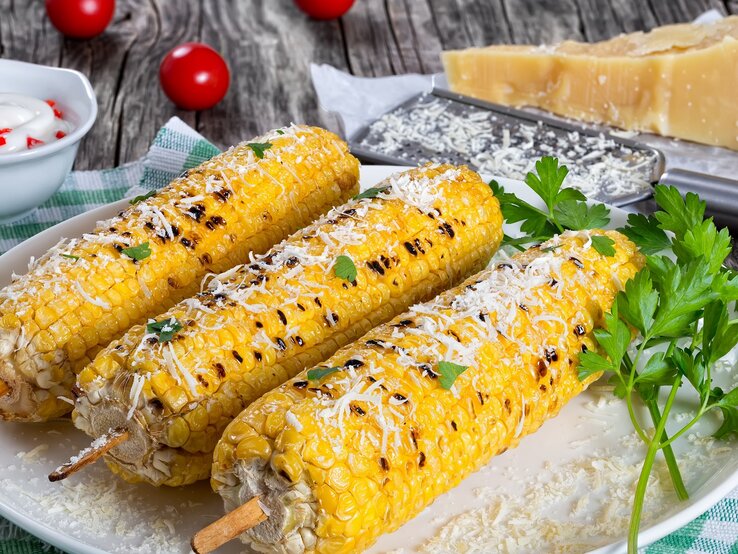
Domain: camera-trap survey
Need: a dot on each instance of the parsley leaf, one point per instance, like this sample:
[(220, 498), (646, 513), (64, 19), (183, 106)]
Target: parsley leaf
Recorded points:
[(614, 338), (577, 215), (70, 256), (547, 183), (719, 333), (517, 242), (259, 148), (138, 253), (603, 245), (448, 372), (591, 363), (165, 329), (141, 198), (657, 371), (645, 232), (514, 209), (704, 240), (344, 268), (678, 214), (684, 291), (566, 208), (637, 304), (370, 193), (690, 366), (319, 372), (728, 405)]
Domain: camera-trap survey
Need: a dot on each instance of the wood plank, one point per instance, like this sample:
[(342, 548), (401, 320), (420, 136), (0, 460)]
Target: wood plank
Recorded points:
[(543, 21), (26, 34), (463, 23), (139, 107), (269, 46), (123, 67), (371, 47), (679, 11), (601, 21)]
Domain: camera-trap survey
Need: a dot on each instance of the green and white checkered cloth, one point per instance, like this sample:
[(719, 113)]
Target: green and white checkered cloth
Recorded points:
[(178, 147)]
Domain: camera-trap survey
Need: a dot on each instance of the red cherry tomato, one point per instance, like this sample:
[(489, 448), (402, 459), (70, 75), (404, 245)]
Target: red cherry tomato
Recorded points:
[(325, 9), (80, 18), (194, 76)]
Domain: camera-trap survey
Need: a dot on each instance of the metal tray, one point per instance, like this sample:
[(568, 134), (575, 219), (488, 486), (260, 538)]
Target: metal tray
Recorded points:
[(441, 126)]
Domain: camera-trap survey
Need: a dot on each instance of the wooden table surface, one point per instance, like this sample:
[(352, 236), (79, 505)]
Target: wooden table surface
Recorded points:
[(269, 45)]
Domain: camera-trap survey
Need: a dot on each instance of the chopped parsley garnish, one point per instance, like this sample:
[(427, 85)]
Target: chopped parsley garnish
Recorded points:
[(448, 372), (344, 268), (259, 148), (70, 256), (319, 372), (370, 193), (604, 245), (165, 329), (565, 207), (138, 253), (141, 198)]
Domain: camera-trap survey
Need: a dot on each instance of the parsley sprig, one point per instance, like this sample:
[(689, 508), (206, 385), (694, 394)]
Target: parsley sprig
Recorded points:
[(259, 148), (136, 199), (565, 208), (682, 306), (137, 253), (370, 193), (316, 374), (448, 373), (164, 329), (344, 268)]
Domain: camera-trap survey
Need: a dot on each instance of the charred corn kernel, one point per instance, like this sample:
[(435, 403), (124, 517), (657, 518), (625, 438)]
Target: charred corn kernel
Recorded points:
[(388, 438), (86, 292), (254, 327)]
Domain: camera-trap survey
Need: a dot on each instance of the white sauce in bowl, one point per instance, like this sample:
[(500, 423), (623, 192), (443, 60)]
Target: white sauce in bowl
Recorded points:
[(27, 122)]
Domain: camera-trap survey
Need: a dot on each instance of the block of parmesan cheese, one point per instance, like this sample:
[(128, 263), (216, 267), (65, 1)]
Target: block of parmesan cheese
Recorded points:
[(678, 80)]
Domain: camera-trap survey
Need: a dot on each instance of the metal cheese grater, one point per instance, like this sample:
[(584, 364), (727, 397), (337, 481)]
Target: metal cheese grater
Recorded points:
[(441, 126)]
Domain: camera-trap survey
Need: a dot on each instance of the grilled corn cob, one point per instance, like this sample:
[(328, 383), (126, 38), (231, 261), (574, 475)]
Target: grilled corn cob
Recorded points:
[(413, 236), (86, 292), (338, 460)]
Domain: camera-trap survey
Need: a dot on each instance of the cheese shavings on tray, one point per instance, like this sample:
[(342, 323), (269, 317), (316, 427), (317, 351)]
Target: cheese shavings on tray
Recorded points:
[(434, 128)]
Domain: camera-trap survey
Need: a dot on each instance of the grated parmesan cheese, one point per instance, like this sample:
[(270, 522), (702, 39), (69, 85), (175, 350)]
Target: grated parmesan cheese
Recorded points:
[(435, 129)]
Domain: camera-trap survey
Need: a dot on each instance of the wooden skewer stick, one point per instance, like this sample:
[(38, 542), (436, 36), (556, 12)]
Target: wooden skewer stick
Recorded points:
[(4, 388), (228, 527), (90, 455)]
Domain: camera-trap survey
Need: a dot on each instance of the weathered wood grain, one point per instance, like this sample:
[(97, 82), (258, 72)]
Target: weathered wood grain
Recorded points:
[(270, 44)]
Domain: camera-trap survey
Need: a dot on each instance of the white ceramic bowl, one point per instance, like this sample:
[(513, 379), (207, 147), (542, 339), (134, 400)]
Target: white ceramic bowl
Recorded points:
[(29, 178)]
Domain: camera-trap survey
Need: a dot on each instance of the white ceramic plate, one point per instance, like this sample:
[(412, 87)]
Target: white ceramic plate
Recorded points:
[(94, 512)]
